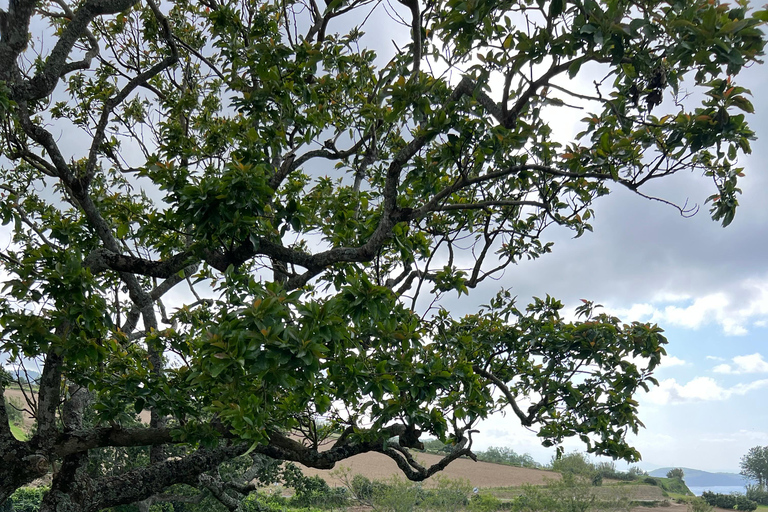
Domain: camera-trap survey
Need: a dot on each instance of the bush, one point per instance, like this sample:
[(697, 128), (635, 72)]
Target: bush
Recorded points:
[(364, 490), (484, 503), (699, 505), (608, 470), (313, 491), (264, 502), (507, 456), (757, 494), (733, 501), (676, 473), (571, 494), (574, 463), (448, 495), (25, 499), (397, 495)]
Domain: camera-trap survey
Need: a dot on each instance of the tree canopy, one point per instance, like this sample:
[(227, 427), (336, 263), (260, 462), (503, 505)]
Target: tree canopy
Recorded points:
[(754, 465), (242, 216)]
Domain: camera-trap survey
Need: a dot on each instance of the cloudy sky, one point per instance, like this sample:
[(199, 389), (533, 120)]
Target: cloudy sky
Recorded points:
[(705, 285)]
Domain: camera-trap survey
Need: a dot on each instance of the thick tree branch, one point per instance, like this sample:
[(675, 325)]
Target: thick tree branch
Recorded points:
[(144, 482)]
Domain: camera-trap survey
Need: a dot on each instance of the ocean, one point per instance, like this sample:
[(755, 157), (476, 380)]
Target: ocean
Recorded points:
[(718, 489)]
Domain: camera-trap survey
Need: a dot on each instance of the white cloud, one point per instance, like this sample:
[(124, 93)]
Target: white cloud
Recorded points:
[(672, 361), (753, 363), (700, 389), (715, 358), (734, 310)]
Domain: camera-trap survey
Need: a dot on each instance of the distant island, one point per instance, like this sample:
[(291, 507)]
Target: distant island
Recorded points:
[(698, 478)]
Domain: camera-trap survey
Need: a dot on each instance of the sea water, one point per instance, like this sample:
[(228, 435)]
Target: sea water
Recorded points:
[(718, 489)]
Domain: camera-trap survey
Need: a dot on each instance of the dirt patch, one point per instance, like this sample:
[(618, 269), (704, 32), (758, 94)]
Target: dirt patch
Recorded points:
[(480, 474), (15, 395)]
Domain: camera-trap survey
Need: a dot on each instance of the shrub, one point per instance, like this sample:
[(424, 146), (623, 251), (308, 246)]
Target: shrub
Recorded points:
[(699, 505), (507, 456), (733, 501), (397, 495), (571, 494), (449, 495), (264, 502), (676, 473), (757, 494), (574, 463), (313, 490), (25, 499), (536, 499), (608, 470), (484, 503)]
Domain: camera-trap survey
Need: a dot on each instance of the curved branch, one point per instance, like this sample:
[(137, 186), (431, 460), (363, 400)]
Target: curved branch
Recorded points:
[(511, 398)]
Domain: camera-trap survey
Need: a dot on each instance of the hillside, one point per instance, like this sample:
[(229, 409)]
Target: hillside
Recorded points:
[(479, 474), (698, 478)]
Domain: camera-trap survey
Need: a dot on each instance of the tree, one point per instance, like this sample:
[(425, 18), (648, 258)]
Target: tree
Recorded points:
[(676, 473), (754, 465), (241, 218)]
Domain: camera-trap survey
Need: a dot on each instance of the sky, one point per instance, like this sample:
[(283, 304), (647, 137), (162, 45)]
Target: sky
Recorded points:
[(706, 286)]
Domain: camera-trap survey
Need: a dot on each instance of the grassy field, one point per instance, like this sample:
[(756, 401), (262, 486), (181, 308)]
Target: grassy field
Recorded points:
[(632, 492), (18, 433)]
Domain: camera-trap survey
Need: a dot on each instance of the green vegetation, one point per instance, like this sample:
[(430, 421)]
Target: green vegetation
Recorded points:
[(730, 501), (18, 433), (757, 494), (754, 465), (25, 499), (496, 455), (668, 485), (259, 213), (13, 409), (699, 505), (677, 473)]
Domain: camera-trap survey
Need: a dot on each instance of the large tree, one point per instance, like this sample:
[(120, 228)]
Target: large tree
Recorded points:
[(240, 217), (754, 465)]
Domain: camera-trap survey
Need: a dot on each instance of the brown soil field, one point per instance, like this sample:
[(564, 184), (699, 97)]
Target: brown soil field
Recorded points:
[(479, 474), (15, 394)]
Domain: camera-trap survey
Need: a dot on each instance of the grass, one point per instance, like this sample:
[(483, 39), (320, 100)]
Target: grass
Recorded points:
[(502, 493), (18, 433)]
